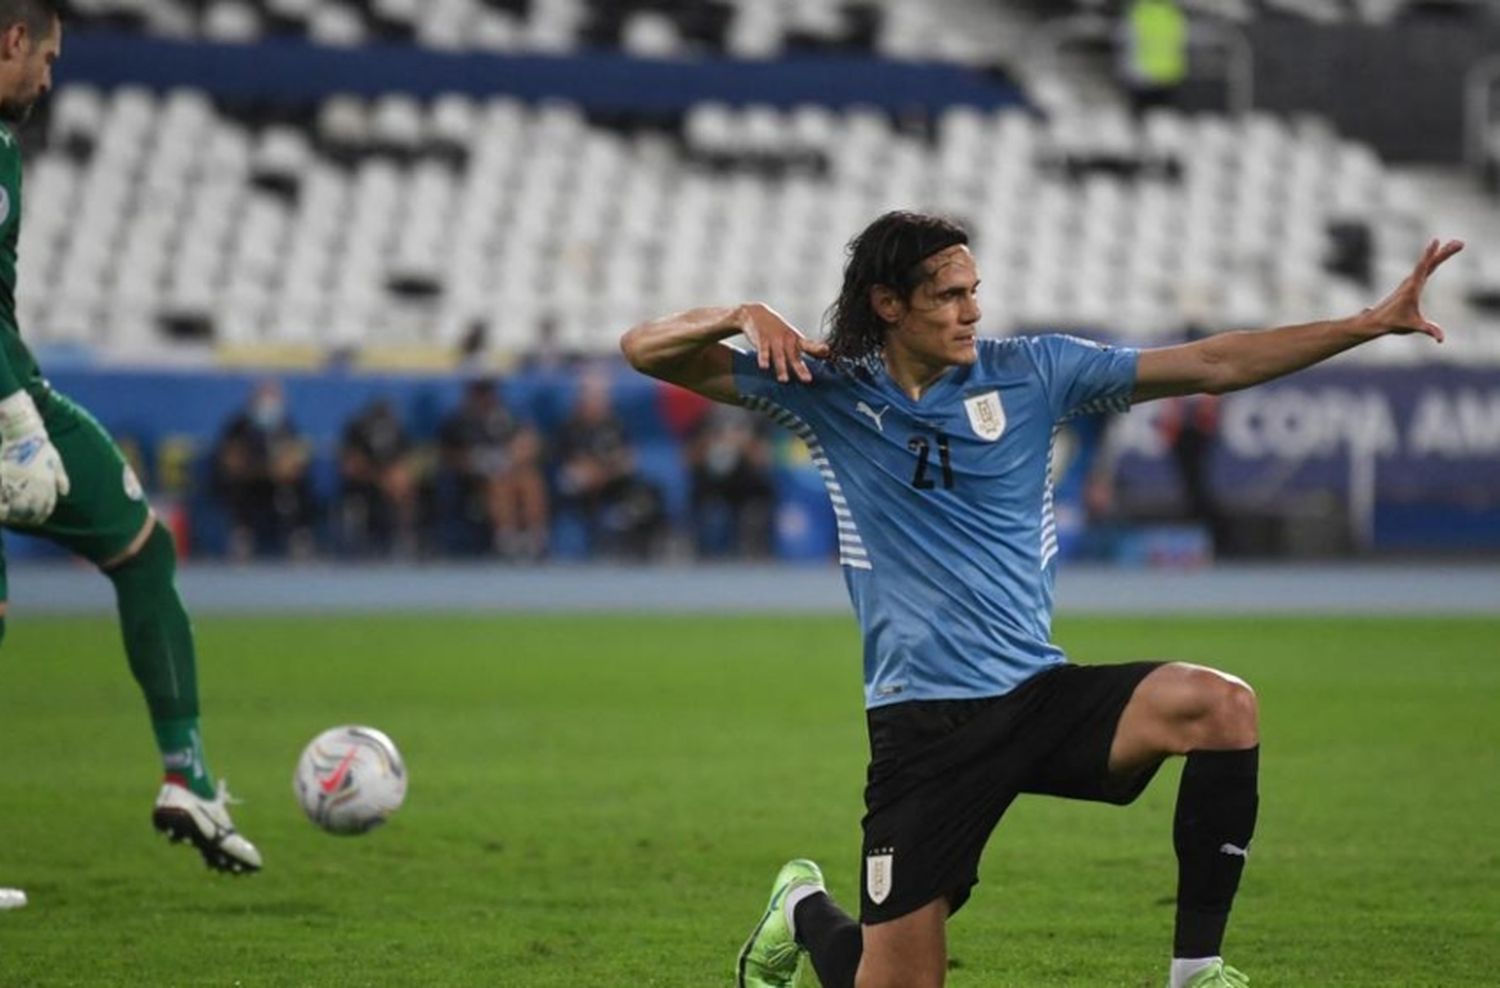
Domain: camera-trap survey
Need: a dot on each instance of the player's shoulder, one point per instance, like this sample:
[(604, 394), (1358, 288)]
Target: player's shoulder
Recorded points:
[(1031, 342), (832, 374), (1008, 353), (1037, 348)]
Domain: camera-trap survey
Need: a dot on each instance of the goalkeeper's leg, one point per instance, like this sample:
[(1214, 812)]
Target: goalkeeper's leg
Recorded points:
[(105, 519), (159, 646)]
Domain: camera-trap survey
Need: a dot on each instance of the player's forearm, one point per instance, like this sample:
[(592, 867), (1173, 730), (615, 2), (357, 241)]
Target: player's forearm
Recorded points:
[(1244, 359), (655, 347)]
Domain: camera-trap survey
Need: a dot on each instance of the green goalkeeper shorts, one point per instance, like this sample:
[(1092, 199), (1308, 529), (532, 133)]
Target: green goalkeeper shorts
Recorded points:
[(105, 508)]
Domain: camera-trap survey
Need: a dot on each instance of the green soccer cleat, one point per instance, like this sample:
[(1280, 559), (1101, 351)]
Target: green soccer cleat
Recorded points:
[(769, 957), (1218, 975)]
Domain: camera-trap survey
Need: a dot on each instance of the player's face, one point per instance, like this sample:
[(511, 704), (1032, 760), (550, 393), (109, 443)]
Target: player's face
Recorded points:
[(28, 63), (938, 324)]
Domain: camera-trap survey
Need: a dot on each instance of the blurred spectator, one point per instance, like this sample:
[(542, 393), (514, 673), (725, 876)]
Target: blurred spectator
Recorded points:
[(729, 461), (378, 490), (1190, 428), (496, 496), (1153, 52), (623, 514), (261, 473)]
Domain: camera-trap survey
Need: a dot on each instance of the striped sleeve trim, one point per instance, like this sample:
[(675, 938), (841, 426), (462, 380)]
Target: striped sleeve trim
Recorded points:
[(1099, 406), (852, 551), (1049, 517)]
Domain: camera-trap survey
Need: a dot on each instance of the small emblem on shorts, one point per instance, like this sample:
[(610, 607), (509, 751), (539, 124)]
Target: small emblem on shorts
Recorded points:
[(878, 865), (132, 485), (986, 415)]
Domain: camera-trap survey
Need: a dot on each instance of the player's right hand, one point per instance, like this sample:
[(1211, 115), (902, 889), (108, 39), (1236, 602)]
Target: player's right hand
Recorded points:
[(777, 342), (31, 470)]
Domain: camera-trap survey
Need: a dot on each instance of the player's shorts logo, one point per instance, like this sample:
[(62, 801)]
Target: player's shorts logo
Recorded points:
[(986, 415), (132, 484), (878, 865)]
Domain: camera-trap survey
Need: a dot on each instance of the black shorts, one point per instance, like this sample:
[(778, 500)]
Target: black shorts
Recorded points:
[(943, 772)]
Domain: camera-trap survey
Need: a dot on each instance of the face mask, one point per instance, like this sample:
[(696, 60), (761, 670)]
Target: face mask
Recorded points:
[(268, 413)]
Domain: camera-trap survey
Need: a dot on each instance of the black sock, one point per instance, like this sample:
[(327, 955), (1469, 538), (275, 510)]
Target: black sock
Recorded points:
[(1216, 806), (832, 938)]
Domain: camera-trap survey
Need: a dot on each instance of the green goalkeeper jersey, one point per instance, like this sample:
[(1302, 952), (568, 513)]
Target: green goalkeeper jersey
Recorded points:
[(17, 366)]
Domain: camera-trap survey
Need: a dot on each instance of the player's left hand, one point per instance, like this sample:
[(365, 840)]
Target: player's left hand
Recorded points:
[(778, 344), (32, 477), (1401, 311)]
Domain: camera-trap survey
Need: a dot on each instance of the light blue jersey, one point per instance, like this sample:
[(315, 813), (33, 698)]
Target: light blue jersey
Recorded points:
[(944, 505)]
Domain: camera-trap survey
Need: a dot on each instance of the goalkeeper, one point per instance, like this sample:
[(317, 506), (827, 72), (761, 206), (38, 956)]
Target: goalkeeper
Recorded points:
[(63, 478)]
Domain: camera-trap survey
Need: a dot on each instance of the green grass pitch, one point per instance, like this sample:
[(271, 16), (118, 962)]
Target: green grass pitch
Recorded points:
[(602, 801)]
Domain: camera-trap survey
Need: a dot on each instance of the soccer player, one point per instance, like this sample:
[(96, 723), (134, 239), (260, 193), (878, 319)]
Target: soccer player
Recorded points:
[(934, 446), (63, 478)]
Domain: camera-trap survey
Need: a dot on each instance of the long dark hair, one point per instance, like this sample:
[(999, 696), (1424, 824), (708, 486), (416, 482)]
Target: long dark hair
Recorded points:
[(889, 252)]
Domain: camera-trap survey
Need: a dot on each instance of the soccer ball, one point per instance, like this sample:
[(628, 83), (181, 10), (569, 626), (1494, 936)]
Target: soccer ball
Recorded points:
[(349, 779)]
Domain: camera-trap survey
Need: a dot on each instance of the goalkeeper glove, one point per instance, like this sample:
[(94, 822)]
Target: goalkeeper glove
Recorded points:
[(31, 471)]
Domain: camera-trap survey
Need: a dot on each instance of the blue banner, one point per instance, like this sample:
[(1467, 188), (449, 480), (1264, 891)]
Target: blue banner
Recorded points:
[(298, 73), (1427, 433)]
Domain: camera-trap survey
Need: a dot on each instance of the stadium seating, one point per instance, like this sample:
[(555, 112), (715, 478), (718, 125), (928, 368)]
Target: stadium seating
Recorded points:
[(654, 28), (1378, 12), (751, 29), (156, 220)]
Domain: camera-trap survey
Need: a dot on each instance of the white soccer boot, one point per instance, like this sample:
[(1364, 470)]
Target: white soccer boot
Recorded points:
[(12, 899), (183, 815)]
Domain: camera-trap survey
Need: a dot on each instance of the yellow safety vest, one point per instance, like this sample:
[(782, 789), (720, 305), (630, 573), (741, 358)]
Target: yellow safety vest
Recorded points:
[(1158, 36)]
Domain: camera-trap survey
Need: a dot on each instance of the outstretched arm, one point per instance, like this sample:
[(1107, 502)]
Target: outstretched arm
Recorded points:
[(1231, 361), (685, 349)]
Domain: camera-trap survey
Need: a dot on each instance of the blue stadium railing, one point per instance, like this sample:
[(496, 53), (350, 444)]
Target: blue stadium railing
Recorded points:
[(298, 72)]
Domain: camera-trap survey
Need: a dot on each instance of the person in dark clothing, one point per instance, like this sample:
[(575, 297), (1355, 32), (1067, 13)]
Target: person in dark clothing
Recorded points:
[(378, 493), (729, 460), (623, 514), (491, 470), (261, 472), (1190, 428)]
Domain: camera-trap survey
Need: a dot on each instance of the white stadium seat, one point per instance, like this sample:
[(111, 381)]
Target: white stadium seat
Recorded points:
[(231, 21), (337, 25)]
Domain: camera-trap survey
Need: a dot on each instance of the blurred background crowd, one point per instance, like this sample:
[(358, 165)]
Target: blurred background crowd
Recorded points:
[(346, 277)]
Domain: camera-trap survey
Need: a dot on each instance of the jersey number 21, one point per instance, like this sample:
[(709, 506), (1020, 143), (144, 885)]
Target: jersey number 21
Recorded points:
[(922, 447)]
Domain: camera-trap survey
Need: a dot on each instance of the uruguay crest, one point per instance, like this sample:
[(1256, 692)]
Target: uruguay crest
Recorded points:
[(986, 415), (878, 874)]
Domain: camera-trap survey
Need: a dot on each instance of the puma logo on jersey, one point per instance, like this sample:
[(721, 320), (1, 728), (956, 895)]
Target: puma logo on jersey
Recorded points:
[(875, 416)]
